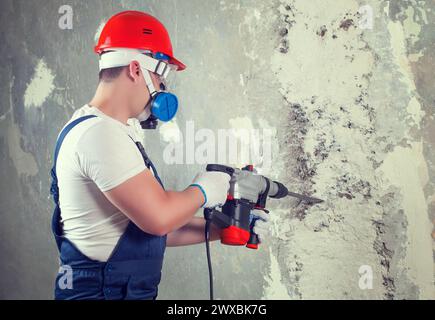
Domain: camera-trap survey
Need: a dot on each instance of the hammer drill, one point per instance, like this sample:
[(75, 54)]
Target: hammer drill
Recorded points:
[(248, 191)]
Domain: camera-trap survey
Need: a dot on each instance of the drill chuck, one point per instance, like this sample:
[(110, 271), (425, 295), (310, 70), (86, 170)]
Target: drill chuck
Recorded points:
[(277, 190)]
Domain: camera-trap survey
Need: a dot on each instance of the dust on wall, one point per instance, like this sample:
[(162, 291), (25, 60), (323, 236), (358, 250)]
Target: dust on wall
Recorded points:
[(356, 120)]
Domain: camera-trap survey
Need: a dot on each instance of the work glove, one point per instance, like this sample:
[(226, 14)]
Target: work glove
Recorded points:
[(262, 224), (214, 186)]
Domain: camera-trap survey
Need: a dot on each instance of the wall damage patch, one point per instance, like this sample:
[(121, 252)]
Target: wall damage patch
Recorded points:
[(40, 86)]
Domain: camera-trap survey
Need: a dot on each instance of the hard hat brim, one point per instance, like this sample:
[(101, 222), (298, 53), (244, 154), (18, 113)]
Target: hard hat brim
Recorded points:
[(180, 66)]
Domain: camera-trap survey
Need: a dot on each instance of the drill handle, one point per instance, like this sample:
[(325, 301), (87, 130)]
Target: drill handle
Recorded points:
[(220, 168)]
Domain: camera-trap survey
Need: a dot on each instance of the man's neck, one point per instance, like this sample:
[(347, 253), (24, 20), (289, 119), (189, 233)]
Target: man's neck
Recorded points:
[(111, 104)]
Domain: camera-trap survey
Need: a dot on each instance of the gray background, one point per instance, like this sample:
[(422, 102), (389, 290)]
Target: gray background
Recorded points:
[(353, 112)]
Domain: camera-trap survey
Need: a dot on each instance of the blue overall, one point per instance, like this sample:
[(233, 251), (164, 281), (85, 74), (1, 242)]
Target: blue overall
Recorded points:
[(133, 270)]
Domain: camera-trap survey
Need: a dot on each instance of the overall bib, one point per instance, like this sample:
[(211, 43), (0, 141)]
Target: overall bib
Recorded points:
[(133, 271)]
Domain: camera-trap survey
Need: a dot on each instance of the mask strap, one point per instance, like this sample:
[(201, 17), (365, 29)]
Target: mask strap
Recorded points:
[(149, 82)]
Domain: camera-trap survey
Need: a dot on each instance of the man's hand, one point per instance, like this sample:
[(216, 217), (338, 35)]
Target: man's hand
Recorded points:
[(214, 187), (262, 225)]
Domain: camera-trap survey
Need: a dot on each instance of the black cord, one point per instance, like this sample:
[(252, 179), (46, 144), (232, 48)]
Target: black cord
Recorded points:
[(207, 247)]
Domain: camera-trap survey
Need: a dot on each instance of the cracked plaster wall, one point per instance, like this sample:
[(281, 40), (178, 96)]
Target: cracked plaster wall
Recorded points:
[(353, 112)]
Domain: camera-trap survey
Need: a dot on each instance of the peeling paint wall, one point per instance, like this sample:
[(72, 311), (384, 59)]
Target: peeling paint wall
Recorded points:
[(349, 96)]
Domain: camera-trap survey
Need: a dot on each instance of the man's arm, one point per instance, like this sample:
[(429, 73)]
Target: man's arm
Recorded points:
[(110, 159), (192, 233), (153, 209), (159, 212)]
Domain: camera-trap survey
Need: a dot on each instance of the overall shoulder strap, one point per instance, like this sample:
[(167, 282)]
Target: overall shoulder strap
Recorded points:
[(54, 189), (149, 164), (63, 134)]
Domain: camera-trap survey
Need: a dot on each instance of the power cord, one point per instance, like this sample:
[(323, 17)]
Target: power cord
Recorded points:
[(207, 247)]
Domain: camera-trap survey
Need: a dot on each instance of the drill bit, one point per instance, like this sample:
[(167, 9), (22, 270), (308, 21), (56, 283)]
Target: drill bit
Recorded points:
[(304, 198)]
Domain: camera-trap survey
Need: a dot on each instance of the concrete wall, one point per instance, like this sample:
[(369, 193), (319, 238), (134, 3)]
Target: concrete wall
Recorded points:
[(350, 100)]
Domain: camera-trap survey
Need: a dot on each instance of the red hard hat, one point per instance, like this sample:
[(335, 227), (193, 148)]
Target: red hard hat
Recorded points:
[(137, 30)]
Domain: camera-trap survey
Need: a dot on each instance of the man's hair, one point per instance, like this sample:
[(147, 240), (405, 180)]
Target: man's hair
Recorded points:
[(109, 74)]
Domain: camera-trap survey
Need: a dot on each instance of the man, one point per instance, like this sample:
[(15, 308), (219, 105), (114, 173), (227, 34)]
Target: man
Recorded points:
[(113, 218)]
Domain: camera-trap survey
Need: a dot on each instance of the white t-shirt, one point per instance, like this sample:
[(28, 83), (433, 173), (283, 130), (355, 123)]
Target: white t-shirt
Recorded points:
[(97, 155)]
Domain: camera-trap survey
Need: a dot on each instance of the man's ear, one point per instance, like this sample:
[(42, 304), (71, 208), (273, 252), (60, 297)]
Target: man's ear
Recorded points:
[(134, 71)]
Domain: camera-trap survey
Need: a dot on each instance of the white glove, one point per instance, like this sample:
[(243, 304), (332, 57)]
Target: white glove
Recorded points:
[(262, 225), (214, 186)]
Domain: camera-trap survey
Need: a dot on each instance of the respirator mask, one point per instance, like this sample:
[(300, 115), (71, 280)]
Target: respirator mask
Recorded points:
[(162, 105)]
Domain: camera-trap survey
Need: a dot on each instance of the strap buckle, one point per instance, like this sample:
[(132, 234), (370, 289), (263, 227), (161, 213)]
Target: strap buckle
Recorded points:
[(162, 68)]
